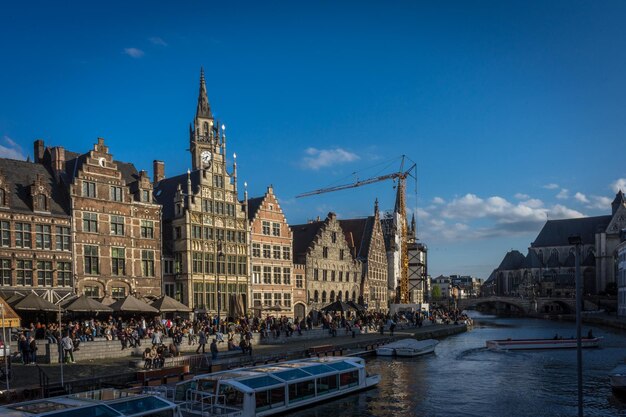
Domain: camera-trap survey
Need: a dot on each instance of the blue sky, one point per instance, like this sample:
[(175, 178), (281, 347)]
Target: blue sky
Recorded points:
[(513, 111)]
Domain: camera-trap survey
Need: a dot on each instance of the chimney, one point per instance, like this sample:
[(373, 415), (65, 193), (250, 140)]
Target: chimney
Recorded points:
[(159, 171), (39, 150), (58, 158)]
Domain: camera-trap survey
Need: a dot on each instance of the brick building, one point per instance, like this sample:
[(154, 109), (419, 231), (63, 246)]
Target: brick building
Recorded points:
[(205, 232), (35, 232), (331, 273), (115, 231), (272, 264)]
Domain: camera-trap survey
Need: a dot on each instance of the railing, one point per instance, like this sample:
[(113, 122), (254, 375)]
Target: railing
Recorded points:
[(44, 381)]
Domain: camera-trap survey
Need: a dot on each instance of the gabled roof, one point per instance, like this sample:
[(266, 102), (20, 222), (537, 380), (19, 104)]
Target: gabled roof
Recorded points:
[(557, 232), (532, 260), (361, 231), (553, 260), (512, 260), (253, 206), (19, 176), (590, 260), (303, 235), (165, 191)]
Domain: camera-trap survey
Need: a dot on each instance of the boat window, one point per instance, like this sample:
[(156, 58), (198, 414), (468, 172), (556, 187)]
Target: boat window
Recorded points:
[(162, 413), (327, 384), (291, 374), (95, 411), (270, 399), (318, 369), (260, 381), (232, 396), (340, 366), (301, 390), (138, 405), (181, 390), (349, 379)]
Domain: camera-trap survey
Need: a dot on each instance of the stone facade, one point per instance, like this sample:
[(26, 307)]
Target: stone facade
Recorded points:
[(205, 231), (299, 291), (621, 276), (331, 271), (35, 232), (116, 229), (271, 261)]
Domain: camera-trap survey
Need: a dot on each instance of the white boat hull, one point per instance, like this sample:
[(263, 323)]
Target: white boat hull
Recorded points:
[(618, 378), (408, 348)]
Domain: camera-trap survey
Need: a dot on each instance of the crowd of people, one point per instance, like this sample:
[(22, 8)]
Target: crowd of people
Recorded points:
[(236, 334)]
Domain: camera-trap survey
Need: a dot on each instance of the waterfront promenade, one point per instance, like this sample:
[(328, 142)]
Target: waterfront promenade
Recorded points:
[(27, 377)]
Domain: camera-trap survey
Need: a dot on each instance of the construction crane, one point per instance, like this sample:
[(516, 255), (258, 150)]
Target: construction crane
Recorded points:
[(401, 176)]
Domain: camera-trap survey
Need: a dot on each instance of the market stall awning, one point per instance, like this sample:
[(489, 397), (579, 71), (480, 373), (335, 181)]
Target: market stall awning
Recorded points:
[(130, 304), (11, 319), (167, 304), (338, 306), (84, 304), (33, 302)]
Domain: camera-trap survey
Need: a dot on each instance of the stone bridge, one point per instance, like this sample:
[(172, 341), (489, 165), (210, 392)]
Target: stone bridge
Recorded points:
[(526, 306)]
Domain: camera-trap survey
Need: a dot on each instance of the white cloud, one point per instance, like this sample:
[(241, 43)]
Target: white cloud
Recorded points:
[(599, 202), (320, 158), (521, 196), (533, 203), (551, 186), (12, 150), (562, 212), (438, 200), (619, 184), (563, 194), (134, 52), (157, 41), (581, 197)]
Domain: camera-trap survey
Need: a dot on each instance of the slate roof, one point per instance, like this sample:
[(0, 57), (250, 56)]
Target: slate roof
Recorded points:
[(512, 260), (532, 260), (361, 230), (19, 176), (553, 260), (165, 191), (75, 161), (253, 206), (303, 235), (557, 232)]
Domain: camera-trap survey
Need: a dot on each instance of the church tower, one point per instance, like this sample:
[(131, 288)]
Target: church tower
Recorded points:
[(206, 137)]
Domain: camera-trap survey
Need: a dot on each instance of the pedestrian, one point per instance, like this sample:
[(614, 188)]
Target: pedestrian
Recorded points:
[(68, 348), (24, 348), (33, 350), (214, 349), (201, 341)]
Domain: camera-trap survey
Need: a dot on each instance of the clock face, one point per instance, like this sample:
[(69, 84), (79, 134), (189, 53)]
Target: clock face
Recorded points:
[(205, 157)]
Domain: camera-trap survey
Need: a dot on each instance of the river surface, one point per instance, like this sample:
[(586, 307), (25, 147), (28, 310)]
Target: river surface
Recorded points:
[(463, 378)]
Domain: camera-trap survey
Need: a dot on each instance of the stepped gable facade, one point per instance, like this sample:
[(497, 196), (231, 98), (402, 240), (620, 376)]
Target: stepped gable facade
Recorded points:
[(116, 229), (332, 273), (35, 232), (205, 231), (271, 260)]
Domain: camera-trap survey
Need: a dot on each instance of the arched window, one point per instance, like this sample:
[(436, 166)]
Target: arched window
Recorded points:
[(339, 296), (316, 296), (205, 129), (2, 197), (323, 296), (332, 296), (353, 295)]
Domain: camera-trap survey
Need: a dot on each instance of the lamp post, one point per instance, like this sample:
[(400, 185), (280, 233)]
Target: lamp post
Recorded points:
[(219, 254), (577, 241), (4, 348)]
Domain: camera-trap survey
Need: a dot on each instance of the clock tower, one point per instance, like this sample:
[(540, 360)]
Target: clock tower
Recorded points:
[(205, 141)]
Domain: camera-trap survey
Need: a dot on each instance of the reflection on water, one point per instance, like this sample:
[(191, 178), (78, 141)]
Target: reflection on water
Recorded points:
[(463, 378)]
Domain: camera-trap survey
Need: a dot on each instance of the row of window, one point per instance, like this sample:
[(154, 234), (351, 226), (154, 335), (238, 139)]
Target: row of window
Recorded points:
[(218, 207), (325, 251), (334, 275), (25, 273), (275, 228), (271, 275), (208, 263), (272, 298), (323, 299), (115, 193), (271, 251), (118, 263), (117, 224), (209, 233), (23, 236), (204, 294)]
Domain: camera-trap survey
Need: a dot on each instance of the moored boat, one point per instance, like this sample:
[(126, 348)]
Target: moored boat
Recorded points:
[(407, 348), (266, 390), (618, 378), (529, 344)]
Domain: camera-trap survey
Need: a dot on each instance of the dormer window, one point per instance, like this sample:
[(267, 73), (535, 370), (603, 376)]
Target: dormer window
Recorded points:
[(145, 196), (41, 202), (3, 198)]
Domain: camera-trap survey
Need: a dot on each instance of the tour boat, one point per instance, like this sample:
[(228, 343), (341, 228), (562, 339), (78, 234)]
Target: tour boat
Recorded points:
[(527, 344), (100, 403), (407, 348), (618, 378), (270, 389)]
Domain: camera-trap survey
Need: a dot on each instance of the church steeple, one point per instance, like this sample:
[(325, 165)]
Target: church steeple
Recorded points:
[(619, 201), (204, 108)]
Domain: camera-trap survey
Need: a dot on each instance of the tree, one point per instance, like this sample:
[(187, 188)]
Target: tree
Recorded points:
[(436, 292)]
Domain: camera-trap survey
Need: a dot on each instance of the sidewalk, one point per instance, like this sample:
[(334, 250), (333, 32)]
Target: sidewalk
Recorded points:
[(26, 376)]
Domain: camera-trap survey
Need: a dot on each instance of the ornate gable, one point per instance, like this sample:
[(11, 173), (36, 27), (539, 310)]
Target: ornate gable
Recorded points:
[(40, 194), (5, 191), (618, 222)]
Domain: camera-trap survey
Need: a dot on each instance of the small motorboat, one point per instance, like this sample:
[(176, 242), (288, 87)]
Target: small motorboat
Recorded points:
[(408, 348), (529, 344)]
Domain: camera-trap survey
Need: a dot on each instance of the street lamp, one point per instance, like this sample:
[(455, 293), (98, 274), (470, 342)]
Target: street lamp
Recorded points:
[(4, 348), (577, 241), (220, 254)]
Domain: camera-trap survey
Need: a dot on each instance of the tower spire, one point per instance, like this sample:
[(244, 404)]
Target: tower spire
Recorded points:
[(204, 108)]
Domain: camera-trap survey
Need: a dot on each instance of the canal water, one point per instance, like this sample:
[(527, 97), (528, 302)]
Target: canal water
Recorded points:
[(463, 378)]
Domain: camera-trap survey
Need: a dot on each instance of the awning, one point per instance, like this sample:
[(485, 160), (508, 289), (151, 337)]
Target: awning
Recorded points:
[(130, 304), (84, 304), (33, 302), (11, 319), (167, 304)]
